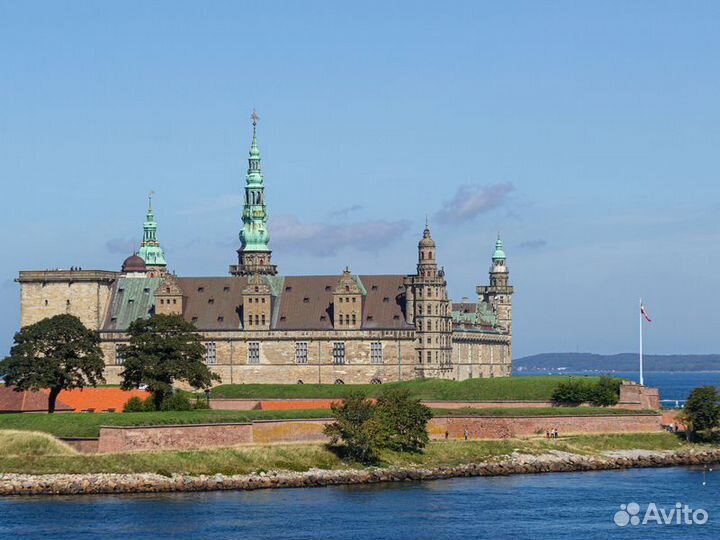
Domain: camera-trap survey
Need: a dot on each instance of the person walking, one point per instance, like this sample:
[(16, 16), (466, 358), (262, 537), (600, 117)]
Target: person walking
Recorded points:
[(466, 434), (446, 434)]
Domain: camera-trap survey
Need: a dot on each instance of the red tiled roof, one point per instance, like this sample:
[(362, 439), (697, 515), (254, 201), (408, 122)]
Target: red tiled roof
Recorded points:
[(12, 401), (99, 399)]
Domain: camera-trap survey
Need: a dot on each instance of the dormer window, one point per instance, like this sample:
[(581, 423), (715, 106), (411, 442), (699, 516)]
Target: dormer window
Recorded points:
[(211, 300), (374, 288), (201, 289), (385, 300), (225, 289)]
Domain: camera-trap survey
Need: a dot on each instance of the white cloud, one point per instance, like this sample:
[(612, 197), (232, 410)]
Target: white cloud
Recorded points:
[(470, 201)]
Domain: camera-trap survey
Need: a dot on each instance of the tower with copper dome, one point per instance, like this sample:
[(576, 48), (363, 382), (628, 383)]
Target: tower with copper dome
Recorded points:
[(254, 255)]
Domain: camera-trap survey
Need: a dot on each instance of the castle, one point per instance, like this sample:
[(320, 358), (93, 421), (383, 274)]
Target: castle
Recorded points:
[(262, 327)]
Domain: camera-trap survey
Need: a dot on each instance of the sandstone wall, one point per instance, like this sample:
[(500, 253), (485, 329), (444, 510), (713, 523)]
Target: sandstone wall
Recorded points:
[(126, 439)]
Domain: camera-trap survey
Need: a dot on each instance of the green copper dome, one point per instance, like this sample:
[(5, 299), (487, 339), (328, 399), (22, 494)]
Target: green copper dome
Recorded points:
[(499, 254)]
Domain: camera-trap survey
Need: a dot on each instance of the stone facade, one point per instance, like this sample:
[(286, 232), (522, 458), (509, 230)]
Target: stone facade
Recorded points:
[(261, 327)]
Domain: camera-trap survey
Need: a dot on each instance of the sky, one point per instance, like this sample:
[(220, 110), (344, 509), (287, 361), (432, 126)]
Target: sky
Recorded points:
[(587, 133)]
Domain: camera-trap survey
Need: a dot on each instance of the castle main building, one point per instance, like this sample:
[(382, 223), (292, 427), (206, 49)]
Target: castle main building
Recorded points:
[(261, 327)]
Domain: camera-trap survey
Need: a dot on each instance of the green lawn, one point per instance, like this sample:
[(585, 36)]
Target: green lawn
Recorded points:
[(501, 388), (22, 457), (88, 424), (539, 411)]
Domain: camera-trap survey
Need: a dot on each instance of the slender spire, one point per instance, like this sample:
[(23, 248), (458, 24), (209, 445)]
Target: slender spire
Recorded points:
[(254, 253)]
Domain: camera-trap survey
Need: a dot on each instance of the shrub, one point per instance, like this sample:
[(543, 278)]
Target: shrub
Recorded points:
[(134, 404), (176, 402), (400, 422), (603, 393), (352, 431), (200, 404), (702, 410), (606, 392), (361, 428)]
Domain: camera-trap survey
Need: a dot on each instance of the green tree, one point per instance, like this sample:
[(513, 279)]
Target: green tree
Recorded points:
[(353, 431), (162, 350), (400, 421), (606, 392), (702, 409), (58, 353)]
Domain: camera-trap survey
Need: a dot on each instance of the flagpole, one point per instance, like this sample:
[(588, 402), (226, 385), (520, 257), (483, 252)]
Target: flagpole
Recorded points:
[(641, 345)]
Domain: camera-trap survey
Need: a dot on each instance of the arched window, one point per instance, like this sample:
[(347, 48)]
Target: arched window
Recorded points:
[(376, 381), (339, 381)]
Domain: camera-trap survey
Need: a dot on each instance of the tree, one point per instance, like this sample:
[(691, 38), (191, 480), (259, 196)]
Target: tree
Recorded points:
[(702, 409), (162, 350), (400, 421), (352, 430), (58, 353)]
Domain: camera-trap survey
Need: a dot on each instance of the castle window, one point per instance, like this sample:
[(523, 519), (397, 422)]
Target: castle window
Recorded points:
[(263, 299), (253, 352), (221, 319), (226, 289), (210, 353), (257, 320), (429, 357), (339, 381), (353, 299), (376, 352), (347, 319), (338, 353), (174, 300), (211, 300), (301, 352), (369, 317), (327, 287), (306, 300), (46, 302), (374, 288), (118, 357), (201, 289), (340, 299), (162, 301), (353, 319), (396, 317), (263, 319), (429, 254), (385, 299), (323, 317), (288, 289), (376, 381)]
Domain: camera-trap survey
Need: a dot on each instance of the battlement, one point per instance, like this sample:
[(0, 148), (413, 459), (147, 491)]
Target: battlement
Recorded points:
[(65, 276)]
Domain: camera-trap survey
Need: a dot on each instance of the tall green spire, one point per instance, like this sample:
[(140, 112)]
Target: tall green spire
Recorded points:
[(150, 250), (254, 235), (254, 255)]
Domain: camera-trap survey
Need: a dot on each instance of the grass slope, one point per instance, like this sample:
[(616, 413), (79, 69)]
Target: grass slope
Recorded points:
[(244, 460), (88, 424), (501, 388)]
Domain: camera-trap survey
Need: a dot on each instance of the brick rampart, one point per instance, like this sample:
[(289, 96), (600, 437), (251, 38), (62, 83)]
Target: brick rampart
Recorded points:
[(126, 439)]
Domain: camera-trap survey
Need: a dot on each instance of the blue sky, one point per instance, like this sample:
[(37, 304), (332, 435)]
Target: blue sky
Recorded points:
[(587, 132)]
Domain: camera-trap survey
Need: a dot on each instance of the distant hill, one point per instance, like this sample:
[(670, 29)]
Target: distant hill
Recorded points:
[(616, 362)]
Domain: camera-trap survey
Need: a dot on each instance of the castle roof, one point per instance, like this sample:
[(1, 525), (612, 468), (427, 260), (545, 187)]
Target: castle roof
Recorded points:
[(298, 302)]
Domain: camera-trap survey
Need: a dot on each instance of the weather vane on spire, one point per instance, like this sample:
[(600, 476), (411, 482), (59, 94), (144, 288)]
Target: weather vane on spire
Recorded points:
[(254, 117), (150, 196)]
